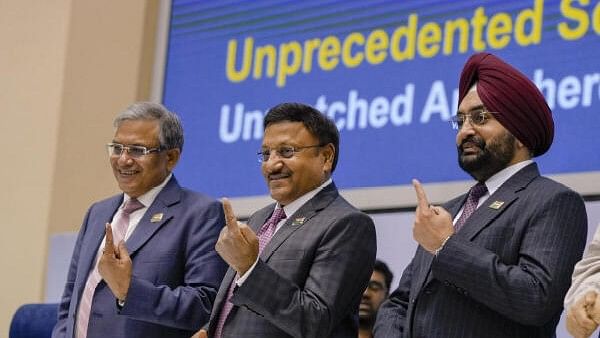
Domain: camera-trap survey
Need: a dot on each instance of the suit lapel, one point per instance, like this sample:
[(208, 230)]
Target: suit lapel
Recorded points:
[(158, 214), (95, 232), (498, 202), (300, 218), (260, 218), (223, 289), (454, 206), (487, 212)]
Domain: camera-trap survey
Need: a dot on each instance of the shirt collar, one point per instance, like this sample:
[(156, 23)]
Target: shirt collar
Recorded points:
[(494, 182), (292, 207)]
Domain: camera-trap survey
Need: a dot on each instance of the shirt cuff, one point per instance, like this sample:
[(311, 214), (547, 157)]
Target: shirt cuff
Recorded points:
[(243, 278)]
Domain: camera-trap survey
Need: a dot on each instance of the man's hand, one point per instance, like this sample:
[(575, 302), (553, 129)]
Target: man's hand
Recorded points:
[(200, 334), (580, 322), (237, 244), (115, 266), (594, 310), (432, 224)]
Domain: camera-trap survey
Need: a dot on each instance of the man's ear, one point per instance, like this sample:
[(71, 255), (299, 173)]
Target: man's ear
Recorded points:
[(523, 149), (328, 153), (519, 143), (172, 158)]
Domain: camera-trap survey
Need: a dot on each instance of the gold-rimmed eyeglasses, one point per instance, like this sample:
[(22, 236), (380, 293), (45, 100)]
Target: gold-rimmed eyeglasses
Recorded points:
[(477, 117)]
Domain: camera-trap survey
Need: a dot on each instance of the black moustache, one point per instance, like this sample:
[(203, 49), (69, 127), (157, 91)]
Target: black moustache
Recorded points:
[(471, 139)]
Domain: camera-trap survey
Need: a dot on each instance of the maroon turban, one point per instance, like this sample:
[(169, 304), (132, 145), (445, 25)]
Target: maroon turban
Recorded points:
[(521, 107)]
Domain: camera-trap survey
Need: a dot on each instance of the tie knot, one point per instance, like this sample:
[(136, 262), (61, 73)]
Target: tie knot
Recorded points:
[(278, 215), (478, 190), (132, 205)]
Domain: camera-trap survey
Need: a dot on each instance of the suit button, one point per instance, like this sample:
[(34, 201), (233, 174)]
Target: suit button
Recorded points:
[(446, 283)]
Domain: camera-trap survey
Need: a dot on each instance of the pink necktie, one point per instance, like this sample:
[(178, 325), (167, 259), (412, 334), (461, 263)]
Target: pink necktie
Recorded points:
[(476, 192), (119, 226), (264, 236)]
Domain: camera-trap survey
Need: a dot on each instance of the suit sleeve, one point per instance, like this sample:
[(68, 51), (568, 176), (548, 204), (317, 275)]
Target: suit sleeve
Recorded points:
[(531, 290), (391, 316), (60, 329), (188, 306), (586, 276), (338, 275)]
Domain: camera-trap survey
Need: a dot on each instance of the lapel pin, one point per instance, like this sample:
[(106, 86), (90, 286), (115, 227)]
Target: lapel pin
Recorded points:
[(497, 205), (299, 221), (156, 217)]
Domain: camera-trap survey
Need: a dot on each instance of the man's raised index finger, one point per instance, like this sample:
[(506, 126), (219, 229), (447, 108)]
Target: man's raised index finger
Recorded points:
[(230, 219), (422, 202), (109, 239)]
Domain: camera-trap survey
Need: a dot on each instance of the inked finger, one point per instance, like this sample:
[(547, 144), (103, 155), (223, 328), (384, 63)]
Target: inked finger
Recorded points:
[(109, 244), (230, 219), (422, 202)]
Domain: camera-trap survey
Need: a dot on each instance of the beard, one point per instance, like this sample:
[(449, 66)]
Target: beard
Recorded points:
[(492, 157)]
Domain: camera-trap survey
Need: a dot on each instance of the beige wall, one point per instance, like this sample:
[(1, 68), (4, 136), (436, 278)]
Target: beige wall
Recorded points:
[(67, 67)]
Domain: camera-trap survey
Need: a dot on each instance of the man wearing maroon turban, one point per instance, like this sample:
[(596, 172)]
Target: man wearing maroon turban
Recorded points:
[(496, 261)]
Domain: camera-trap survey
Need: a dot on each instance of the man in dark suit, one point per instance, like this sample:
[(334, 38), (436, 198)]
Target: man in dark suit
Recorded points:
[(307, 280), (495, 262), (144, 263)]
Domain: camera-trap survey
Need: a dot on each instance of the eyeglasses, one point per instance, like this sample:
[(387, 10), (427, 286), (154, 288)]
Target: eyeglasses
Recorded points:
[(282, 152), (476, 117), (116, 149)]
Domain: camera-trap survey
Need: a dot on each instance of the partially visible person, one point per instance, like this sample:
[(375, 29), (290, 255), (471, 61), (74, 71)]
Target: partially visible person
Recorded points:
[(144, 264), (299, 266), (582, 302), (496, 261), (375, 293)]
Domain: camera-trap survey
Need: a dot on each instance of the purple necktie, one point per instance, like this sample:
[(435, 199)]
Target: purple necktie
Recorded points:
[(119, 225), (470, 206), (264, 236)]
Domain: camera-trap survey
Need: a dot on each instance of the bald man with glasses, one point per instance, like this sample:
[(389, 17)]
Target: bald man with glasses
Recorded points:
[(144, 264)]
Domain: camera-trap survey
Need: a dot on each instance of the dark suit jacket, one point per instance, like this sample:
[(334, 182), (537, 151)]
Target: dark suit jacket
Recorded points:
[(176, 271), (310, 277), (504, 274)]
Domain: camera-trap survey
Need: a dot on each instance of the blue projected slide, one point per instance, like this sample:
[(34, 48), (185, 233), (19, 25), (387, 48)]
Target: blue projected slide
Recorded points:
[(385, 71)]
